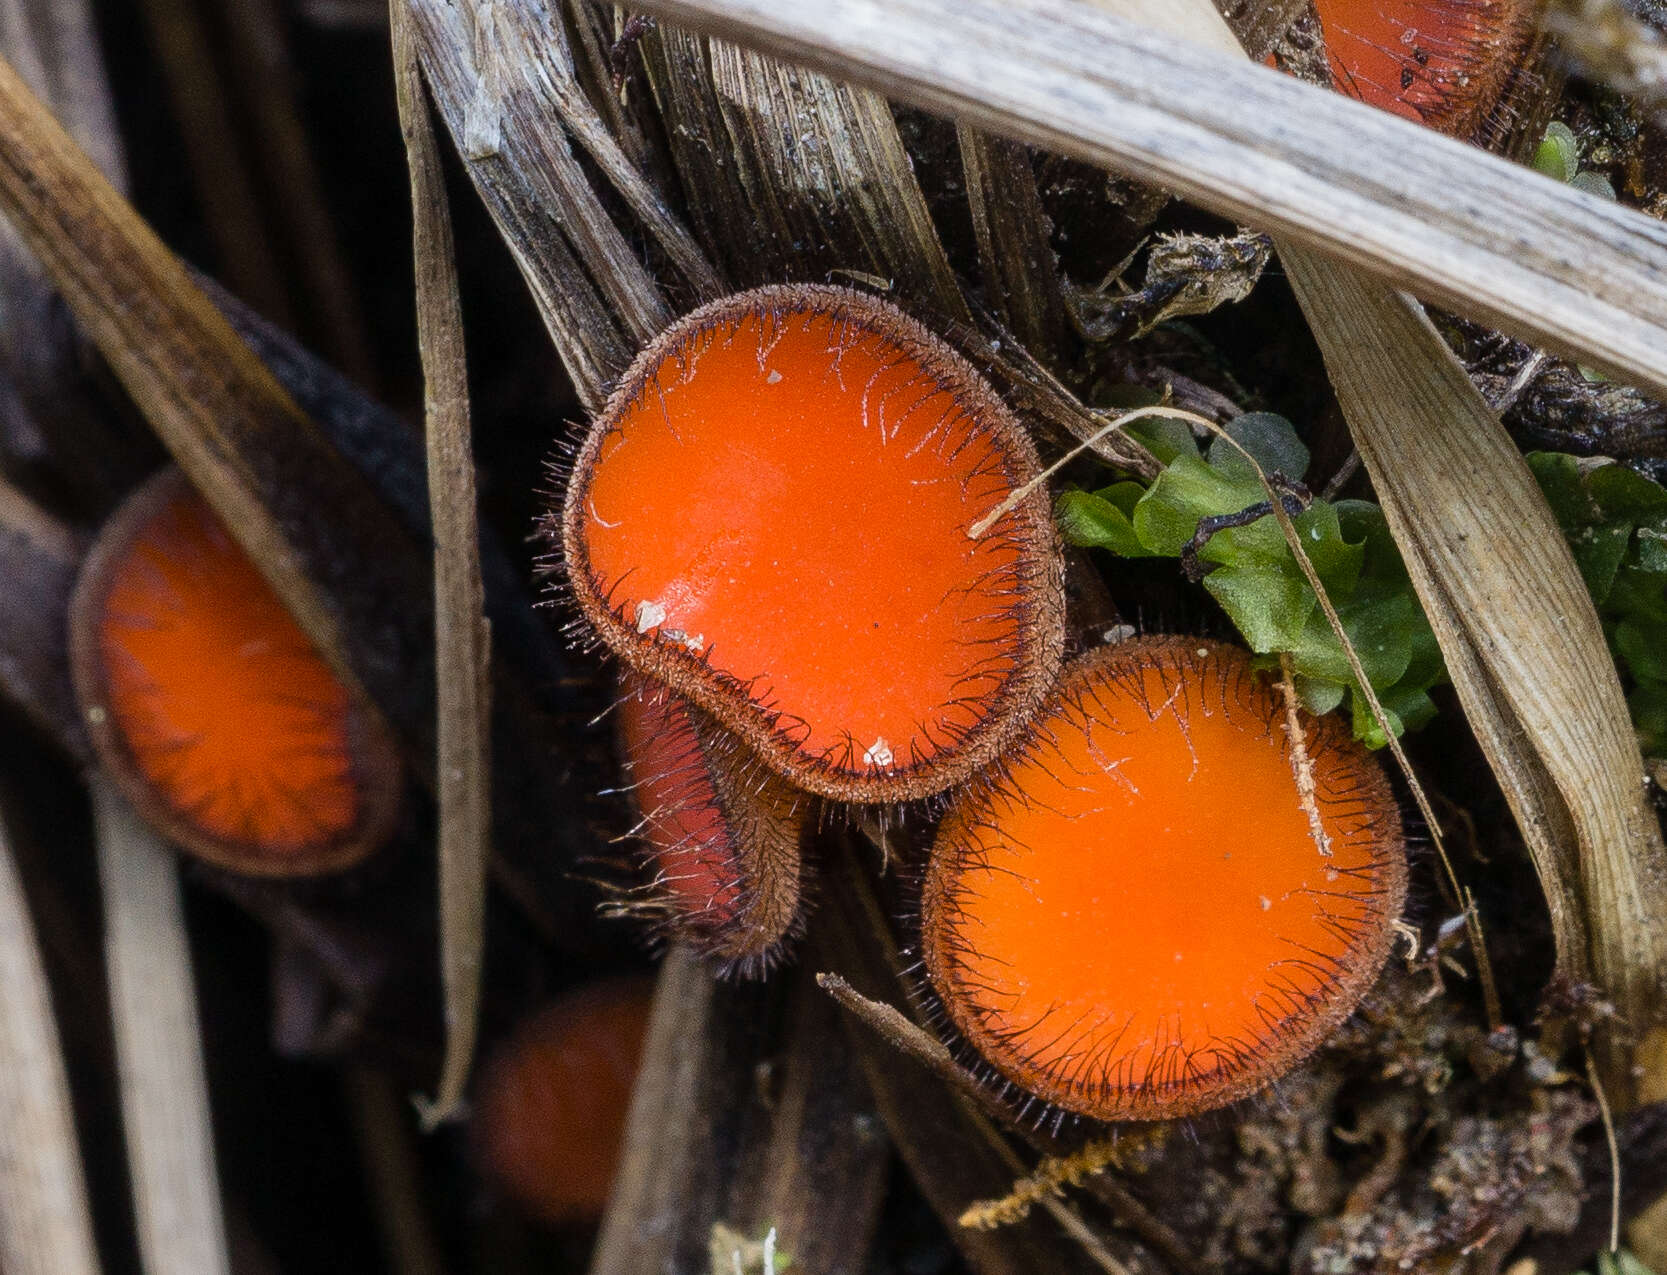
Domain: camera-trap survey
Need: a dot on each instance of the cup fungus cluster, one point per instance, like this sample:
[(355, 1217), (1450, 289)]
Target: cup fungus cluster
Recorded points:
[(210, 708), (770, 524), (1444, 62), (1154, 889)]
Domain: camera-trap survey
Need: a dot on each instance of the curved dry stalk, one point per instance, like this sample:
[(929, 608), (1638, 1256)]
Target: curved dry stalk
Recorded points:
[(462, 640), (45, 1225), (159, 1056), (178, 357)]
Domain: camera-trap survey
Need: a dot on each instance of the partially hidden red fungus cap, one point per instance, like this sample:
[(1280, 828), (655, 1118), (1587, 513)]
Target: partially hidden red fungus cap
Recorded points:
[(721, 837), (1135, 919), (551, 1102), (1444, 62), (772, 516), (209, 706)]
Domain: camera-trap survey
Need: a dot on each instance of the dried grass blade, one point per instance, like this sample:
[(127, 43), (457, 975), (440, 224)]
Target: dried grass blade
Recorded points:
[(462, 641), (159, 1053), (818, 178), (217, 408), (1522, 641), (662, 1146), (485, 62), (1487, 238), (45, 1225), (1011, 228)]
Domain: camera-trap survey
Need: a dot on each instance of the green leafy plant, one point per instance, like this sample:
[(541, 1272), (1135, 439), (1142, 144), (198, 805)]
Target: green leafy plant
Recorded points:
[(1615, 521), (1620, 1263), (1251, 572)]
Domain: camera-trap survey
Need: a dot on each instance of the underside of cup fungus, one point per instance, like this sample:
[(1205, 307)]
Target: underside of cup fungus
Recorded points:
[(773, 516), (1444, 62), (1142, 915), (721, 837), (209, 706)]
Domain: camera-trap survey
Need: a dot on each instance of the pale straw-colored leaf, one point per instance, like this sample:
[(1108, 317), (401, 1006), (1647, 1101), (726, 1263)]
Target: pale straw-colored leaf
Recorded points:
[(159, 1050), (1485, 237), (45, 1224), (462, 642)]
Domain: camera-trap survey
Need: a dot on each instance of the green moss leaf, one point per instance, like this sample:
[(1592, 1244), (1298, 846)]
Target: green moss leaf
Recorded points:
[(1187, 490), (1269, 604), (1254, 575), (1100, 519), (1270, 439), (1165, 437)]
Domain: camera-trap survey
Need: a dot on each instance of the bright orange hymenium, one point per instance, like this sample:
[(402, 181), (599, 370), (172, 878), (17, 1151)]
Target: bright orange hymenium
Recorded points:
[(772, 517), (1444, 62), (210, 707), (1135, 920), (722, 840)]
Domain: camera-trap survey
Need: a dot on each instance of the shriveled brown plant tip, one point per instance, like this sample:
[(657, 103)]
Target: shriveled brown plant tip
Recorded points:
[(208, 706), (1134, 919), (771, 517)]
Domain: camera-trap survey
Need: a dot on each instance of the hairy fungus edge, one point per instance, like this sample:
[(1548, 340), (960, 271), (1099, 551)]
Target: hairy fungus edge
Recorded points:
[(377, 770), (765, 821), (1184, 1097), (1038, 580)]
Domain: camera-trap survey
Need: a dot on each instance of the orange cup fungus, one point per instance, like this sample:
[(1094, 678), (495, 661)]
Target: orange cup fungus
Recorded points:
[(551, 1103), (722, 843), (1135, 919), (208, 705), (1443, 62), (772, 516)]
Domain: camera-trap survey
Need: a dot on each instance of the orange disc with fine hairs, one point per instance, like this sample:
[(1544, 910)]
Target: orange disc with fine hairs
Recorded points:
[(772, 516), (1443, 62), (210, 707), (1134, 919)]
